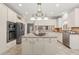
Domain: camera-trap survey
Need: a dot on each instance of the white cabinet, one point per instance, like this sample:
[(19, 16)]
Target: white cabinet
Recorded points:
[(38, 46), (6, 14), (3, 19), (11, 15), (74, 41), (50, 45), (59, 37), (73, 18), (3, 12), (77, 17)]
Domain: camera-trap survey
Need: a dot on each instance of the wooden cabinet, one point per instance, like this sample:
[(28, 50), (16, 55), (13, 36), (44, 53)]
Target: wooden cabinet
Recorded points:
[(3, 18)]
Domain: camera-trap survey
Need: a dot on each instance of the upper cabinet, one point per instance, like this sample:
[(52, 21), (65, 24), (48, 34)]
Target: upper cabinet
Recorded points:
[(73, 18), (77, 17), (8, 14), (12, 15), (3, 12)]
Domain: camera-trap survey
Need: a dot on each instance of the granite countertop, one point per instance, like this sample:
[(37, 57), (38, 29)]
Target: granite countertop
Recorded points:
[(72, 32)]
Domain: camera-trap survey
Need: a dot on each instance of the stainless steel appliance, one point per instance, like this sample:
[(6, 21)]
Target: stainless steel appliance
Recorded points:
[(15, 31), (11, 31), (66, 40)]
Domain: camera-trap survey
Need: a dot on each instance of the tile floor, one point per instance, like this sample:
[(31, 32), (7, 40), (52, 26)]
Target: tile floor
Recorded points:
[(41, 47)]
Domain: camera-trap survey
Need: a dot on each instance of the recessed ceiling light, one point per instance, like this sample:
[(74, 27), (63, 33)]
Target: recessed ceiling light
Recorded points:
[(65, 15), (57, 5), (20, 5), (26, 13)]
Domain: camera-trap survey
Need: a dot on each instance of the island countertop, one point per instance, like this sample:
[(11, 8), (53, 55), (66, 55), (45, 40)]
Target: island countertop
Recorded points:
[(47, 35)]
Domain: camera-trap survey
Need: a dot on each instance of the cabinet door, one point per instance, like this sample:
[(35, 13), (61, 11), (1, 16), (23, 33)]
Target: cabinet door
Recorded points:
[(50, 46), (3, 18), (4, 12), (77, 17), (74, 41), (11, 15), (27, 46), (0, 12)]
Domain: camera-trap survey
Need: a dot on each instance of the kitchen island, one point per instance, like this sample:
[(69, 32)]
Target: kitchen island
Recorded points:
[(40, 44)]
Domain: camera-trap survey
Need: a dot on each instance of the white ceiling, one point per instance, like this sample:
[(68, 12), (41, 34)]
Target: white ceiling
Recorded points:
[(50, 9)]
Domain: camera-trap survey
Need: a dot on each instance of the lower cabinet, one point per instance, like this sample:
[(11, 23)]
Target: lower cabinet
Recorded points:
[(74, 41), (71, 40)]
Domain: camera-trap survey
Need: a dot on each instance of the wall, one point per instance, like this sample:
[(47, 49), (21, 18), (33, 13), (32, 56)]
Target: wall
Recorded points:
[(6, 14), (45, 22)]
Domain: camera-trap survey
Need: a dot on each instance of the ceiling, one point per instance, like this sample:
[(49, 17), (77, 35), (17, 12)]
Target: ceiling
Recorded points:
[(50, 9)]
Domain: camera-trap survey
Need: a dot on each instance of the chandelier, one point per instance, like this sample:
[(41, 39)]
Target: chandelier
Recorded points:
[(39, 15)]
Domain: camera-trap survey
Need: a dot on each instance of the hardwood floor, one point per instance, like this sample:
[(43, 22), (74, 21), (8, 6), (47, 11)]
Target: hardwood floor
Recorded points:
[(41, 47)]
